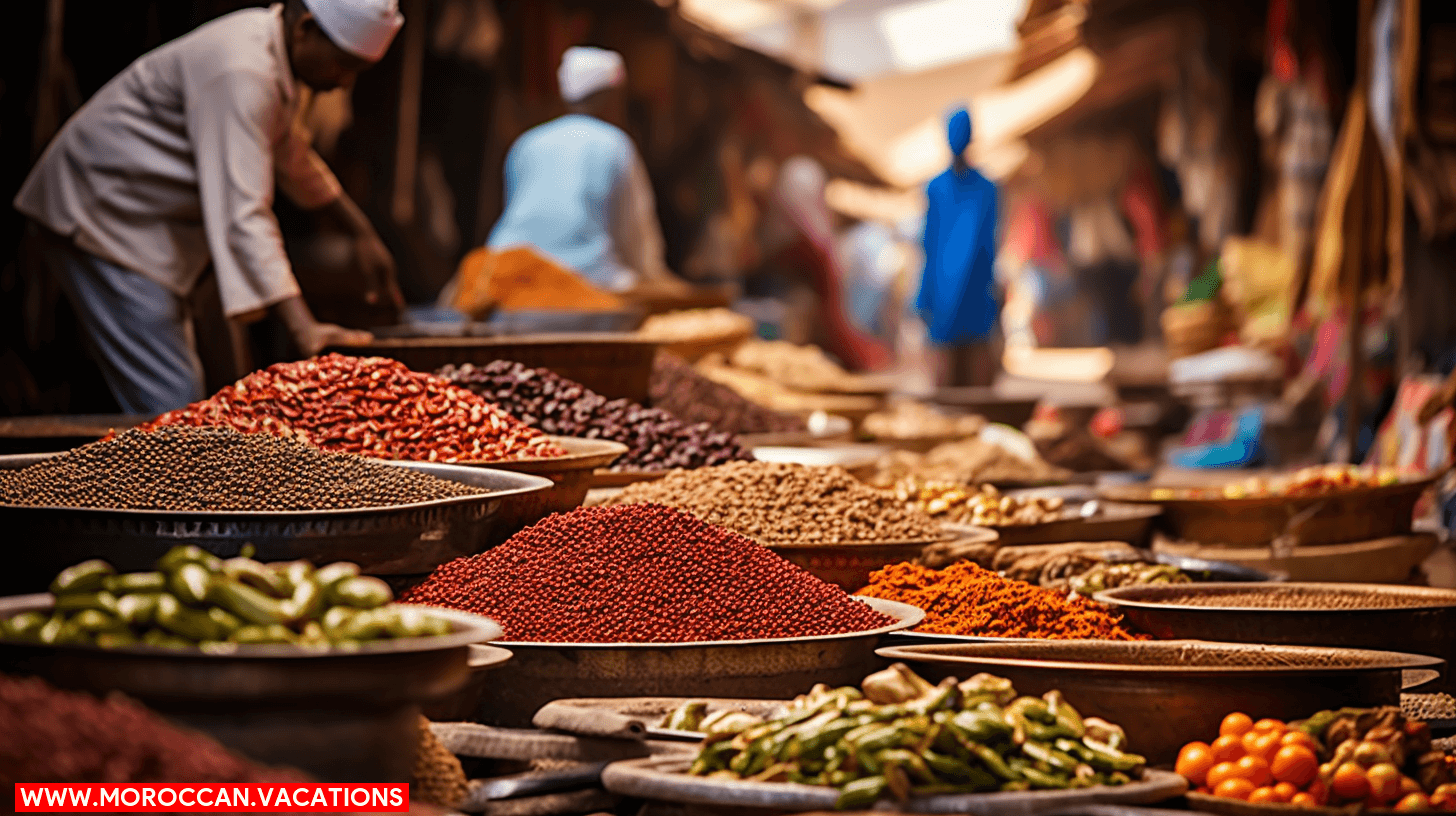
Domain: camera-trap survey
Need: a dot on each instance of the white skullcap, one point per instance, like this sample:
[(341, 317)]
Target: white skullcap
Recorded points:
[(585, 70), (364, 28)]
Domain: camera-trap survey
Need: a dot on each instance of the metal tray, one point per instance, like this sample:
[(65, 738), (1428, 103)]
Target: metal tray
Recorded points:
[(1167, 692), (406, 539), (340, 715), (665, 779), (1427, 628), (572, 476), (613, 364), (776, 668)]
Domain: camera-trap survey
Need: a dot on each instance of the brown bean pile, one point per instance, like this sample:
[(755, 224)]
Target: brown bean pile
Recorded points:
[(777, 503), (191, 469), (655, 439), (679, 389), (49, 735), (371, 406)]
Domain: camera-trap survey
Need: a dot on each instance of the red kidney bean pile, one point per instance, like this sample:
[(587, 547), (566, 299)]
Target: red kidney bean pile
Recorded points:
[(655, 439), (371, 406), (49, 735), (677, 387), (640, 574)]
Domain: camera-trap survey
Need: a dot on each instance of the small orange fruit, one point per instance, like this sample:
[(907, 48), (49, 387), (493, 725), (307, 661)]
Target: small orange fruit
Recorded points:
[(1228, 748), (1261, 744), (1350, 782), (1270, 726), (1256, 770), (1413, 803), (1304, 800), (1384, 780), (1237, 724), (1220, 772), (1194, 762), (1296, 737), (1408, 785), (1264, 796), (1286, 791), (1234, 789), (1296, 764)]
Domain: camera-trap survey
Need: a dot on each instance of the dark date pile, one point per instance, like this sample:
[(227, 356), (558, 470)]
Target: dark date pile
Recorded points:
[(49, 735), (655, 439), (678, 388), (778, 503), (640, 574), (371, 406), (184, 468)]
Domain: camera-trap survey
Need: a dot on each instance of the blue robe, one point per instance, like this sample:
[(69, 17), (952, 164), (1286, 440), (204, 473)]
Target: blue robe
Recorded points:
[(957, 298)]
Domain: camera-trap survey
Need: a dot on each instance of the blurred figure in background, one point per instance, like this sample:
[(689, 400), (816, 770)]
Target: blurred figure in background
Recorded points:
[(957, 298), (577, 196)]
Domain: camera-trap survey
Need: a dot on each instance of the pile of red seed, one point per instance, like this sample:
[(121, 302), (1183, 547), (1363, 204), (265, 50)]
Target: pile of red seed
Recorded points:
[(371, 406), (640, 573), (48, 735)]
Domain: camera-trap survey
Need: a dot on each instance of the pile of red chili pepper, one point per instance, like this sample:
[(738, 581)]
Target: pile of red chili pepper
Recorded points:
[(49, 735), (640, 573), (964, 599), (371, 406)]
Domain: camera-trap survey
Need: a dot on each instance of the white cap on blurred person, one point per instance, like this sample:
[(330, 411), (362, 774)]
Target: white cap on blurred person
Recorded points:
[(364, 28), (585, 70)]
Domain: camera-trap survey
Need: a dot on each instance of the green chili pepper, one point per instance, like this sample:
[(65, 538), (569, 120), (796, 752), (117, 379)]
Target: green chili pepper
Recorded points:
[(166, 640), (246, 602), (1045, 781), (132, 582), (25, 626), (993, 761), (188, 623), (188, 554), (981, 727), (100, 601), (92, 621), (190, 583), (959, 771), (361, 592), (861, 793), (87, 576), (334, 573), (225, 619), (248, 572), (1109, 758), (1045, 753), (258, 635), (138, 609), (910, 761), (116, 639), (306, 603)]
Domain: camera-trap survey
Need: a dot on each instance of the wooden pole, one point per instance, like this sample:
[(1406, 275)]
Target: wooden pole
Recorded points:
[(407, 138)]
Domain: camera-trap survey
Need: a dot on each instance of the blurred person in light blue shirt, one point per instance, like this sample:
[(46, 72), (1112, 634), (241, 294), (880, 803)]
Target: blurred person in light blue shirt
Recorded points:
[(576, 189)]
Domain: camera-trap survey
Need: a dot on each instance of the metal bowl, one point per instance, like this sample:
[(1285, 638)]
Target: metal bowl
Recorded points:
[(1114, 521), (849, 564), (571, 475), (340, 715), (1165, 693), (395, 540), (775, 668), (665, 779), (1356, 616), (613, 364)]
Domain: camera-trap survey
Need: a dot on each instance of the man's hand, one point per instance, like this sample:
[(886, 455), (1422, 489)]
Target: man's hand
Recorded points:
[(312, 336), (377, 264)]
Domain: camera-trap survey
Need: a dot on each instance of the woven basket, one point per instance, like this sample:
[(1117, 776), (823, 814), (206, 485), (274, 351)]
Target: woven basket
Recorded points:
[(1193, 328)]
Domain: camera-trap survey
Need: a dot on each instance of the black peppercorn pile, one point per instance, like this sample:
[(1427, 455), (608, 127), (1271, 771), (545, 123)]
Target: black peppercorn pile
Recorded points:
[(640, 574), (777, 503), (213, 468), (678, 388), (48, 735), (655, 439)]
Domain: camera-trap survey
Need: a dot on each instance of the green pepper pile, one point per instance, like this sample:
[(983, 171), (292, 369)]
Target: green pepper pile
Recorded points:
[(194, 600), (901, 736)]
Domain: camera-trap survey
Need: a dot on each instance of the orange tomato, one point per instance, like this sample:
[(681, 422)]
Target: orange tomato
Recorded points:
[(1236, 724), (1350, 782), (1384, 780), (1319, 790), (1194, 761), (1409, 786), (1270, 726), (1264, 796), (1228, 748), (1261, 744), (1304, 800), (1221, 772), (1256, 770), (1286, 791), (1444, 797), (1297, 737), (1296, 764), (1234, 789), (1413, 803)]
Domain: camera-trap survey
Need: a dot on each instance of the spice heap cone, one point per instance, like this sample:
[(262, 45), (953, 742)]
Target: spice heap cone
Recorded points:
[(641, 574)]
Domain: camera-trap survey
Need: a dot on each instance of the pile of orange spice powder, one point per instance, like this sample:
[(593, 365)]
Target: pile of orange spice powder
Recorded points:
[(964, 599)]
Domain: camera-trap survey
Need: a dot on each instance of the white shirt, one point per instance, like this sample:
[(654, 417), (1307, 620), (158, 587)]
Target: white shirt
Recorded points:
[(172, 164)]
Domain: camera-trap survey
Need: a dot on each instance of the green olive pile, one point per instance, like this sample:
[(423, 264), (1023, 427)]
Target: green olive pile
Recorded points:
[(900, 736), (196, 600)]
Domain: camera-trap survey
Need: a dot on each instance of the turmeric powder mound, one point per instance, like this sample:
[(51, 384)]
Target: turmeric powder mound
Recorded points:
[(964, 599), (520, 279)]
